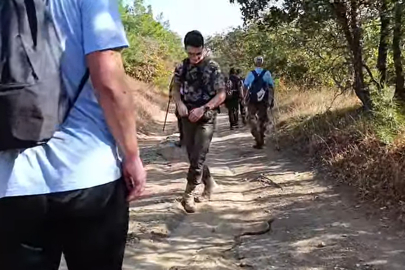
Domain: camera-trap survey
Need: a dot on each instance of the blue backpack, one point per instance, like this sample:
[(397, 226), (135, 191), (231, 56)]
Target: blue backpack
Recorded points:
[(259, 90)]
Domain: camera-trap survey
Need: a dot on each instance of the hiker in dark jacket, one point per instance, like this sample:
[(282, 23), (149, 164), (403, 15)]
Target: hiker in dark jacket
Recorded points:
[(242, 105), (234, 92)]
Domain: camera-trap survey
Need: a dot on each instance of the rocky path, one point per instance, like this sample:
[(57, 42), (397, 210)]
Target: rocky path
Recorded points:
[(316, 226)]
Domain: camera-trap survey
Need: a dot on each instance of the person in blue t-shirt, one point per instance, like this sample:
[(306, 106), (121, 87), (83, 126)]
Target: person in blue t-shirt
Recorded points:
[(71, 195), (259, 93)]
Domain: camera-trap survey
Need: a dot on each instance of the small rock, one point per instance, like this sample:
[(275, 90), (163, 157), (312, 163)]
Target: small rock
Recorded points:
[(321, 245), (240, 257), (243, 264)]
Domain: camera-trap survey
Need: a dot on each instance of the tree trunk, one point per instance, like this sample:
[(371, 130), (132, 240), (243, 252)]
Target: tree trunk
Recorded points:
[(348, 20), (357, 50), (384, 39), (396, 47)]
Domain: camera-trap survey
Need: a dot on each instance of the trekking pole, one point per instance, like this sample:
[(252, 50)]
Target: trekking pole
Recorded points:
[(167, 112)]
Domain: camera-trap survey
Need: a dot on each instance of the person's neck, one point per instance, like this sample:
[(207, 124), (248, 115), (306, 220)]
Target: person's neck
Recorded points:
[(199, 62)]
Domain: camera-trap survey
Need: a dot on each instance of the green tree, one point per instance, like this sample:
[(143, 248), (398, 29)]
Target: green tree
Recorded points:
[(154, 48), (350, 38)]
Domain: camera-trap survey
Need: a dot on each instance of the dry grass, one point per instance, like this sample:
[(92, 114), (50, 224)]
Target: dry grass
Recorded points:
[(294, 103), (150, 107), (350, 145)]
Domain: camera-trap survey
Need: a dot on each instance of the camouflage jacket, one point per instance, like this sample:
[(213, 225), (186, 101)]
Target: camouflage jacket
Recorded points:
[(200, 82)]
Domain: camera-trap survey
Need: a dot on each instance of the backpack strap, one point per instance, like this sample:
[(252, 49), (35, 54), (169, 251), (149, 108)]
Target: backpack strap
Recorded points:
[(183, 73), (255, 74), (83, 82), (262, 73)]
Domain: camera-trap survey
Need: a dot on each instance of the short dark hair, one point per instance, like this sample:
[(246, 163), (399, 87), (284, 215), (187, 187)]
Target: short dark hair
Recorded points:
[(238, 71), (194, 39), (232, 71)]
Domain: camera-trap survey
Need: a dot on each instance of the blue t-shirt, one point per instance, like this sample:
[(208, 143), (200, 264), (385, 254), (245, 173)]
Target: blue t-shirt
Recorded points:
[(82, 153), (266, 77)]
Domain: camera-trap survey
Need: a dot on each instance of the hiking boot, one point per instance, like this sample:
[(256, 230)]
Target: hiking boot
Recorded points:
[(188, 199), (178, 144), (208, 191), (259, 145)]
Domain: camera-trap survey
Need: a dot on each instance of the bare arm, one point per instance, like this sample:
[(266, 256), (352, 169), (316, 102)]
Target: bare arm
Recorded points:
[(112, 87), (176, 92), (241, 95), (217, 100)]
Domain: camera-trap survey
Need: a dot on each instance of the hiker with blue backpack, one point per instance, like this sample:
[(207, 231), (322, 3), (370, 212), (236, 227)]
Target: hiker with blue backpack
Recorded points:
[(259, 97)]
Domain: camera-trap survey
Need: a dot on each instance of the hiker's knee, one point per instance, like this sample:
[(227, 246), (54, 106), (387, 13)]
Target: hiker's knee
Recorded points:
[(194, 175)]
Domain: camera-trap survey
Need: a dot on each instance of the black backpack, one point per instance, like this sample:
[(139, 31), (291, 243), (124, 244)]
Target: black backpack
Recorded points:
[(259, 90), (33, 102), (234, 87)]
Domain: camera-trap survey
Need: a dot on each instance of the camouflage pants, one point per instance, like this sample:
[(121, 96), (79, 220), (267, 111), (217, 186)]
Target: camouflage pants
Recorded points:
[(258, 120), (197, 138)]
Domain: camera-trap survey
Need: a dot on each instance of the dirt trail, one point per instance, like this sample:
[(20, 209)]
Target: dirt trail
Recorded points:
[(315, 227)]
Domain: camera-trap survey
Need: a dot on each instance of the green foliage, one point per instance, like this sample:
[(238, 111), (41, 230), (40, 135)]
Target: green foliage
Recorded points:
[(328, 42), (301, 58), (154, 49), (388, 117)]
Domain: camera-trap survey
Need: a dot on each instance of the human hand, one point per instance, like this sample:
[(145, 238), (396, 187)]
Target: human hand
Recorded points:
[(134, 176), (182, 109), (196, 114)]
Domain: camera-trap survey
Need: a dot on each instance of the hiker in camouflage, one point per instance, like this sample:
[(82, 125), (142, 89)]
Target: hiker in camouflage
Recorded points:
[(203, 92)]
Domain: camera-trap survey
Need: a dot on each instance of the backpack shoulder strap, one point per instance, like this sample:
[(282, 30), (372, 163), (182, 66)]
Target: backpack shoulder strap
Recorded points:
[(184, 67), (262, 73), (83, 82), (255, 74)]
